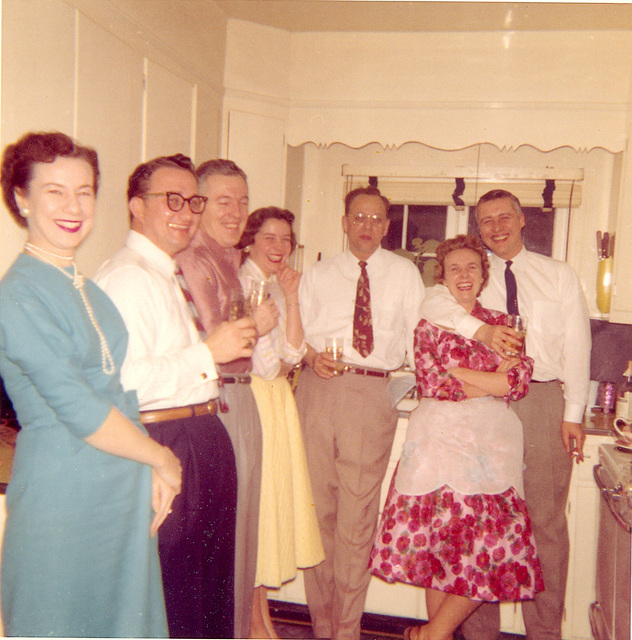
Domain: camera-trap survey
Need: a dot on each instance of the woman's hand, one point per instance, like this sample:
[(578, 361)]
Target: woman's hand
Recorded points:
[(166, 485), (288, 280), (266, 317)]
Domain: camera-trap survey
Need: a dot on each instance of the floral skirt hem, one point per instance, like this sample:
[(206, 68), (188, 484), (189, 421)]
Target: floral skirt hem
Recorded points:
[(478, 546)]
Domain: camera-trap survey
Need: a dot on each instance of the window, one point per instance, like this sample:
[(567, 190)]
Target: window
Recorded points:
[(417, 229)]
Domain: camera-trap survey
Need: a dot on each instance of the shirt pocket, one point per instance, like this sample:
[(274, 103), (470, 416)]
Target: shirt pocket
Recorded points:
[(547, 319)]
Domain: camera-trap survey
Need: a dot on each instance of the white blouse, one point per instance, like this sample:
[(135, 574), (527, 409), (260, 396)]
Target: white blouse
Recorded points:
[(273, 348)]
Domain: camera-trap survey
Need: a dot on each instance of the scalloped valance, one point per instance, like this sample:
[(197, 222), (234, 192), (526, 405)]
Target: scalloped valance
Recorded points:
[(451, 126)]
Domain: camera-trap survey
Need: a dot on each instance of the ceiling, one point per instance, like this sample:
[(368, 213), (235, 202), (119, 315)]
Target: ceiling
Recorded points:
[(420, 15)]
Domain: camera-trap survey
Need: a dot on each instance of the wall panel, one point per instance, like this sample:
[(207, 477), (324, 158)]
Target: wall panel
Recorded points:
[(168, 113), (38, 79), (109, 118)]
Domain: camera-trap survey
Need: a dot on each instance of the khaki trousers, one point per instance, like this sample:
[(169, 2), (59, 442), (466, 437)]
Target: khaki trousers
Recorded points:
[(547, 477), (348, 425), (244, 428)]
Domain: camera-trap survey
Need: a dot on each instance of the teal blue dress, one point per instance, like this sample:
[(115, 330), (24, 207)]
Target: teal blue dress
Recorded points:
[(77, 559)]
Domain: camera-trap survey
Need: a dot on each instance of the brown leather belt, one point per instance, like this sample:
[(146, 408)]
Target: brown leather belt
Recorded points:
[(179, 413), (235, 378), (377, 373)]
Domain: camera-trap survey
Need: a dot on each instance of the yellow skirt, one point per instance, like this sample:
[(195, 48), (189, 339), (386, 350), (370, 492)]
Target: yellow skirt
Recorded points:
[(289, 537)]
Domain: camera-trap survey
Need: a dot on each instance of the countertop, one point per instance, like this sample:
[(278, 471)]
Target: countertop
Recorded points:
[(598, 424)]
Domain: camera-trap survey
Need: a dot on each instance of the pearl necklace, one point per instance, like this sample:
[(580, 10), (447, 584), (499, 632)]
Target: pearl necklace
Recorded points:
[(107, 363)]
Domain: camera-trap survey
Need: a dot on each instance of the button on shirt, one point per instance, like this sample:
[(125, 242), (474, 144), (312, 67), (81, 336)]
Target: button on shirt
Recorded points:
[(166, 363), (558, 331), (327, 296)]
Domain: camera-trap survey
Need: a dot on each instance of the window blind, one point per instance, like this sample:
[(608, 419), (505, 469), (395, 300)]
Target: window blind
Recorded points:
[(438, 191)]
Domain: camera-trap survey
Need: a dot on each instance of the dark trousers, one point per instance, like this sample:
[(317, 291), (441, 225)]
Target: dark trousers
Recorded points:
[(196, 542)]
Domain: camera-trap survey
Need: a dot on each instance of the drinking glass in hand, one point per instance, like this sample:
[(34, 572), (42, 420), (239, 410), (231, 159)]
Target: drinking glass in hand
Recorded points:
[(239, 307), (519, 325), (334, 346), (243, 304), (257, 293)]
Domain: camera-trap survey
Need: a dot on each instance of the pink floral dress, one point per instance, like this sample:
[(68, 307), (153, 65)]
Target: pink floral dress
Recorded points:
[(455, 519)]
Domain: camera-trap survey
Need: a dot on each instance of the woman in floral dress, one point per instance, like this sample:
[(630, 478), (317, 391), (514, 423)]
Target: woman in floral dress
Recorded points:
[(455, 521)]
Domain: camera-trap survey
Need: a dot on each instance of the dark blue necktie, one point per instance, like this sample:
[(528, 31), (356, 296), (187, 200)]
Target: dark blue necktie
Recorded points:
[(512, 290)]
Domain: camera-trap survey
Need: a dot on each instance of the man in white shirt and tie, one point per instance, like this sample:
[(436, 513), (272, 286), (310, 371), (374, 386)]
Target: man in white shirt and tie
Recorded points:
[(173, 370), (550, 296), (371, 298)]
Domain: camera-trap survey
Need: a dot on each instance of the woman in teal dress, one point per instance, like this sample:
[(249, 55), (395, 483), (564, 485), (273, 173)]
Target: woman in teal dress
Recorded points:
[(79, 555)]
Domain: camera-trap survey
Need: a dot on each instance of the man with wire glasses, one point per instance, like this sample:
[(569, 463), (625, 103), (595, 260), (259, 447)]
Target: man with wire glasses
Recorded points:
[(172, 367)]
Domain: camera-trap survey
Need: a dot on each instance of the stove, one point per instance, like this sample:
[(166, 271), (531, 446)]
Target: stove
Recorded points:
[(610, 614)]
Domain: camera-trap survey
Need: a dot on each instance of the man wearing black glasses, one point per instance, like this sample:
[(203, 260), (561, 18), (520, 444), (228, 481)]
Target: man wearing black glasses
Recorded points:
[(172, 367)]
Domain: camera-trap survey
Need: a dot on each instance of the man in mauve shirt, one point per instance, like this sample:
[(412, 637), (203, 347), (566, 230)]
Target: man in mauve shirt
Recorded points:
[(210, 265)]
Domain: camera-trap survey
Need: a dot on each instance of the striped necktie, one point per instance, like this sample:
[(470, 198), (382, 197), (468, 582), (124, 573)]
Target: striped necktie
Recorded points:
[(190, 303)]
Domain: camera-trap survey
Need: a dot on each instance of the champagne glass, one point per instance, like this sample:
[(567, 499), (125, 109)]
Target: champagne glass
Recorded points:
[(519, 325), (334, 346), (257, 293)]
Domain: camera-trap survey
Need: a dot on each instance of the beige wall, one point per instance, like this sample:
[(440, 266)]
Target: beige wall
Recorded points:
[(133, 79), (534, 99)]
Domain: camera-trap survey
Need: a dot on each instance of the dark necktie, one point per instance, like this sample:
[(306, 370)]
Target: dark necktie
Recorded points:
[(362, 327), (512, 290), (190, 303)]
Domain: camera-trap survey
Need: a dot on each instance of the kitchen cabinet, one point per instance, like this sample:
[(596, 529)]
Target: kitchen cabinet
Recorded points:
[(583, 518)]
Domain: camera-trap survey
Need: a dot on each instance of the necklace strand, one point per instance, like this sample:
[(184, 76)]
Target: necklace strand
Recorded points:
[(39, 251), (107, 363)]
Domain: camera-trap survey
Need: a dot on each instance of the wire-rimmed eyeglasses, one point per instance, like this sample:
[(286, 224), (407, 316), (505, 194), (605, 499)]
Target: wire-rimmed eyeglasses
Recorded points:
[(175, 201), (362, 218)]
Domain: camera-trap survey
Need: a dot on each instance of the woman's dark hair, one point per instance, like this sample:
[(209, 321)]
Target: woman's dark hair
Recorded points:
[(19, 158), (461, 242), (256, 220)]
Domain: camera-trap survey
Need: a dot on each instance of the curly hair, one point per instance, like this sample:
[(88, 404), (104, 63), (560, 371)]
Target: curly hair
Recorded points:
[(257, 219), (461, 242), (19, 158)]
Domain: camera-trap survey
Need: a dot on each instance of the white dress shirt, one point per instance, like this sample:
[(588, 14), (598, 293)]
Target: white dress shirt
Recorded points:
[(166, 362), (273, 348), (327, 296), (558, 331)]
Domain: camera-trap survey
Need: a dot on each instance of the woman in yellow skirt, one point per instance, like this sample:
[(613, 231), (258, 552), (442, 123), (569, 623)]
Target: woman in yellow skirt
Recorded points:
[(288, 529)]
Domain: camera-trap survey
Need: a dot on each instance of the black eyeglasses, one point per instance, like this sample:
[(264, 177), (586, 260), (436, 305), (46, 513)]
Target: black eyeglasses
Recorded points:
[(175, 201)]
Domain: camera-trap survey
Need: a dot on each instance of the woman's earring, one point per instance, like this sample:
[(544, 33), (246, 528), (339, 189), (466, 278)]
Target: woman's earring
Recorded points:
[(24, 212)]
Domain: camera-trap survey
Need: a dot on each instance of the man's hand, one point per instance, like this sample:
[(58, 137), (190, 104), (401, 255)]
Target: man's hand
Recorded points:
[(232, 340), (266, 317), (322, 363), (573, 437), (498, 337)]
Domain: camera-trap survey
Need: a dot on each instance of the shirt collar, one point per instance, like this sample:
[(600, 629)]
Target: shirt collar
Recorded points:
[(147, 249), (373, 260), (220, 253), (518, 259), (254, 269)]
